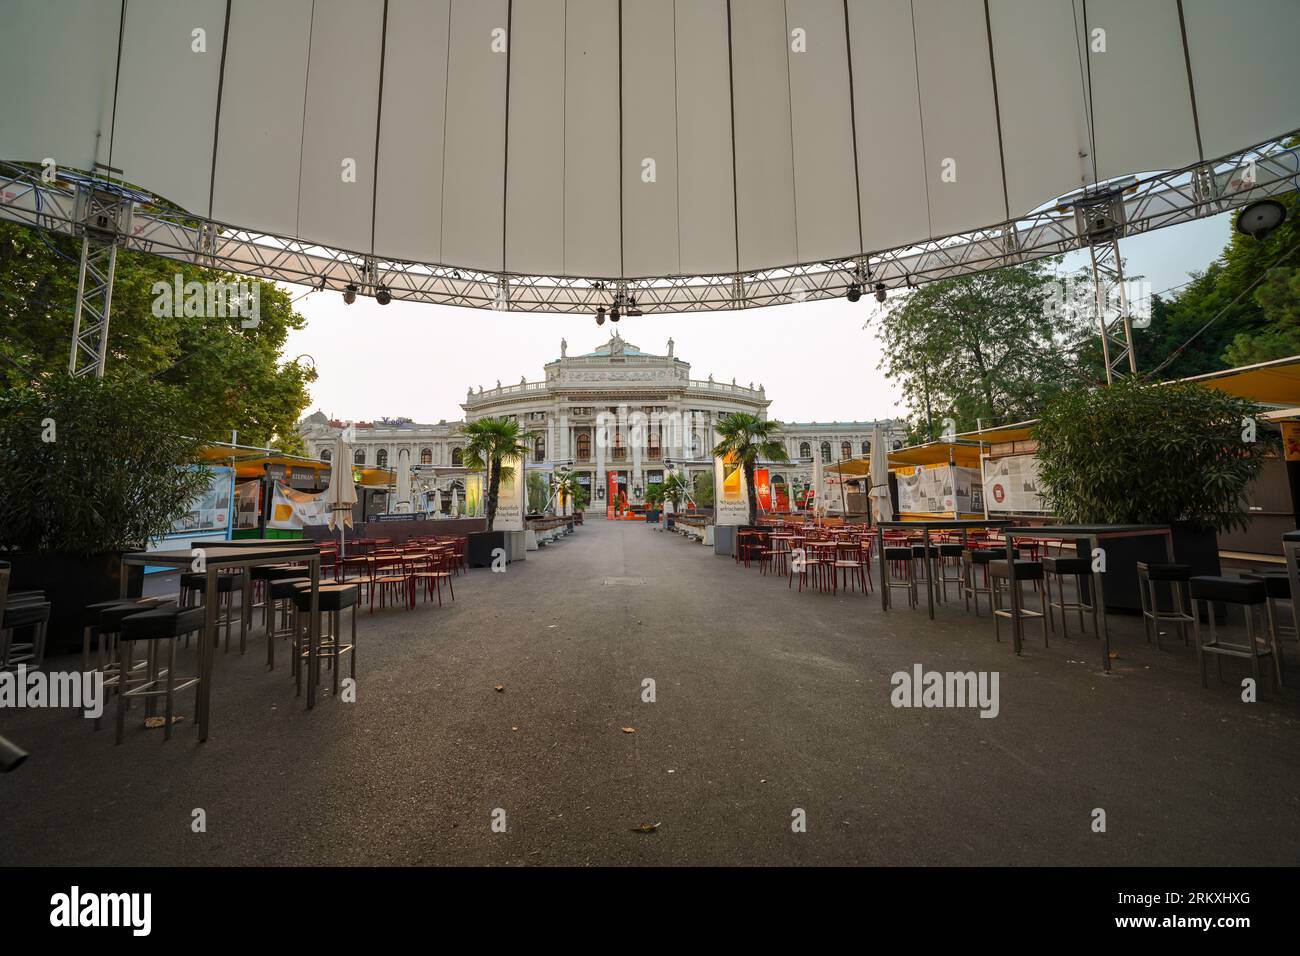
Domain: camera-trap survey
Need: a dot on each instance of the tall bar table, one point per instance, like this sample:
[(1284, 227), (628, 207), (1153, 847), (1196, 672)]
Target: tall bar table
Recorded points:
[(1094, 534), (1291, 548), (963, 525), (231, 556)]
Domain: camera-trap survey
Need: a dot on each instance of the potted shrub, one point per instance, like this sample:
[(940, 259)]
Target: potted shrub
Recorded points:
[(1150, 453), (90, 469), (489, 443), (747, 439)]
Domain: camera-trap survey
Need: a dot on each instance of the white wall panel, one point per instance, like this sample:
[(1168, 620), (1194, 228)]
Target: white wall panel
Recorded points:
[(167, 98), (822, 124), (1244, 69), (706, 206), (1043, 110), (591, 148), (1142, 109), (473, 184), (887, 110), (535, 164), (408, 203), (341, 112), (765, 200), (649, 132), (958, 115), (259, 136), (58, 62)]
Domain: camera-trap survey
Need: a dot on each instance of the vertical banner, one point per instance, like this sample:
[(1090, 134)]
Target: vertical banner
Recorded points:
[(1291, 440), (511, 494), (611, 494), (730, 504), (763, 488), (473, 495)]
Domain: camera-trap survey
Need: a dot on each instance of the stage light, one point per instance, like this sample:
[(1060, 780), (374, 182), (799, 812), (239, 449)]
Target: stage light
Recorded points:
[(382, 295), (350, 294), (1259, 219), (600, 316), (613, 314), (881, 292), (854, 293)]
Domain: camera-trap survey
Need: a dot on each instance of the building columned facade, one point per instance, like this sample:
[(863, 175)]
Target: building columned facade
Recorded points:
[(616, 410)]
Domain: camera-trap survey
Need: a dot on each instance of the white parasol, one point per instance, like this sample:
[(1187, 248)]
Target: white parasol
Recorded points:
[(341, 494), (883, 507)]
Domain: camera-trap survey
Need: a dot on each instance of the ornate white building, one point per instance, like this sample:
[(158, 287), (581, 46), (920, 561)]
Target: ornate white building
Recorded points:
[(614, 410)]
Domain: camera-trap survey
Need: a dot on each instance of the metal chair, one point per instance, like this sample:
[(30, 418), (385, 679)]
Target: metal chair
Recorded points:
[(1250, 594), (1061, 568)]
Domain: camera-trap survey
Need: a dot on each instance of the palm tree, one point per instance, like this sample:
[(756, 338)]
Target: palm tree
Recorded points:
[(568, 490), (488, 443), (748, 439), (676, 489)]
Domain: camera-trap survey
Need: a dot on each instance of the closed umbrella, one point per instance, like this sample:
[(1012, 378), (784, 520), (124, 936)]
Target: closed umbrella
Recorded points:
[(437, 501), (455, 501), (884, 508), (819, 479), (403, 481), (341, 494)]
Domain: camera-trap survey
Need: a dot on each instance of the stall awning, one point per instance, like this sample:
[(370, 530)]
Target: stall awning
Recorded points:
[(1019, 431), (962, 453), (1269, 383), (250, 462)]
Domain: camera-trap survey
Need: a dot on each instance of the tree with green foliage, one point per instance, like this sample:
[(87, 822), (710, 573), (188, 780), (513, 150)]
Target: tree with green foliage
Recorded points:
[(91, 466), (703, 493), (233, 377), (489, 444), (539, 492), (748, 439), (1149, 453), (987, 346)]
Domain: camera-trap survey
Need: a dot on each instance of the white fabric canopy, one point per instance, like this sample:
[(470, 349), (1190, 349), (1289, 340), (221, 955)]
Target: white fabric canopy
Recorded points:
[(889, 121), (883, 507)]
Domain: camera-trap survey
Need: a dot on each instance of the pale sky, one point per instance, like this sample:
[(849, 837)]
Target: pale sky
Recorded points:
[(816, 360)]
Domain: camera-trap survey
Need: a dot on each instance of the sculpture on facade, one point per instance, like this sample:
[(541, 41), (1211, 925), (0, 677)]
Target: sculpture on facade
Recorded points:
[(564, 348)]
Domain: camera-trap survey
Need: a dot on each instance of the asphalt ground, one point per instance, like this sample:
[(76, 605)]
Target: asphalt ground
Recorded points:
[(766, 702)]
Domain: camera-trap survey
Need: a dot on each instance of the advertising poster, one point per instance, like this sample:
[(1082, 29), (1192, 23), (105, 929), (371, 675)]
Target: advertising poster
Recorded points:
[(510, 498), (730, 504), (1291, 440), (763, 487), (473, 495), (292, 509), (940, 490), (1011, 485)]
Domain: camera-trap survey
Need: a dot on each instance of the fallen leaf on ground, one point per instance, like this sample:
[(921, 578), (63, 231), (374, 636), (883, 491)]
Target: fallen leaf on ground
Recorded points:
[(514, 728), (629, 730), (1114, 655), (499, 688), (153, 723), (645, 828)]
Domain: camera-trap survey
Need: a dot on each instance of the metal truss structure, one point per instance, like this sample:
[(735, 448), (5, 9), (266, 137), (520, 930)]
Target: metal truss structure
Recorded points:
[(103, 218), (1138, 205)]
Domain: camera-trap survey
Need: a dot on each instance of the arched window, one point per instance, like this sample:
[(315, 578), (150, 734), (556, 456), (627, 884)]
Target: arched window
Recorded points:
[(584, 446), (381, 458), (846, 449), (805, 450), (359, 456), (457, 457), (426, 456), (866, 448), (326, 454), (539, 448), (826, 453)]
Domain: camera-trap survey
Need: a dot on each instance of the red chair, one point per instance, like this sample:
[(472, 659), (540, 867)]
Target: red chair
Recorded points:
[(437, 568)]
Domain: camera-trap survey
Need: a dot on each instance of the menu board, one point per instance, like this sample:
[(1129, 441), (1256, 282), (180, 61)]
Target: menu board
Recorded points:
[(1012, 484), (210, 510)]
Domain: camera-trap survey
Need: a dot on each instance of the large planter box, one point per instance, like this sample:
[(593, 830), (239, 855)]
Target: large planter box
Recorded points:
[(481, 544), (652, 515), (70, 584), (1195, 547)]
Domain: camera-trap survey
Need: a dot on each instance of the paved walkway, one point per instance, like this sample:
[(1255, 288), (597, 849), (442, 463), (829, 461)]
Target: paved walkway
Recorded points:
[(767, 701)]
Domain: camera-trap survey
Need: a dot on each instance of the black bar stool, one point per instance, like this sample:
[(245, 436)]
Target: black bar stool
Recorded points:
[(901, 556), (260, 578), (23, 612), (947, 552), (1277, 585), (279, 603), (332, 599), (1060, 568), (193, 585), (108, 628), (973, 558), (160, 624), (1015, 574), (1250, 595), (1175, 575)]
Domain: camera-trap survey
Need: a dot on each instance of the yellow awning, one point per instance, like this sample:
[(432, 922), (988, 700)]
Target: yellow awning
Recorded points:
[(852, 467), (1020, 431), (1269, 383), (249, 462), (964, 454)]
